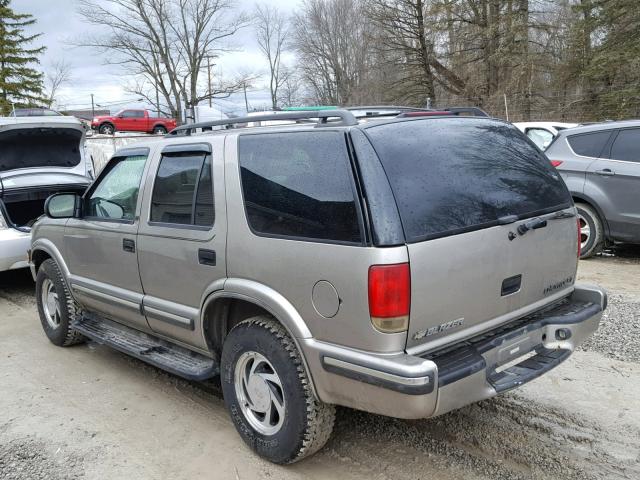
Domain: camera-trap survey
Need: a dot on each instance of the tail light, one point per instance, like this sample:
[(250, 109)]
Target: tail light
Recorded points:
[(579, 237), (556, 163), (390, 297)]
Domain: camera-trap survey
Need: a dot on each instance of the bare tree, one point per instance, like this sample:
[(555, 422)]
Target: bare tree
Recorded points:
[(58, 75), (166, 43), (330, 38), (272, 32)]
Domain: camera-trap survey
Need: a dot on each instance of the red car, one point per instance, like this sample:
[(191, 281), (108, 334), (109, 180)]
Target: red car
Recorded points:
[(132, 121)]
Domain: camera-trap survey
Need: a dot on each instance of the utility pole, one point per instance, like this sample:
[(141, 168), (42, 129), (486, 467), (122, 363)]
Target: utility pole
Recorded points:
[(506, 107), (209, 77), (93, 107), (157, 101), (246, 102)]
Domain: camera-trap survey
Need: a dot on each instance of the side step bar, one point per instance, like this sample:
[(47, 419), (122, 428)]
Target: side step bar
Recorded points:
[(159, 353)]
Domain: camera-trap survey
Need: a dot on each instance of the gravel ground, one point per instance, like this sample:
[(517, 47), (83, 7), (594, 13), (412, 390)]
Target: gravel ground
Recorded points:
[(618, 336), (89, 412), (29, 459)]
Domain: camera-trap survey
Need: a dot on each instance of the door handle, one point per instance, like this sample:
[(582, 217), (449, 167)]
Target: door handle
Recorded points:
[(207, 257), (607, 172), (128, 245)]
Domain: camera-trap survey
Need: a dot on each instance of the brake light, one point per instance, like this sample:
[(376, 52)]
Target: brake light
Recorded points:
[(579, 238), (390, 297), (556, 163)]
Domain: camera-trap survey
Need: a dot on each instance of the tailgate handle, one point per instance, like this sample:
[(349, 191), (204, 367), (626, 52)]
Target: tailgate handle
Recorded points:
[(531, 225), (511, 285)]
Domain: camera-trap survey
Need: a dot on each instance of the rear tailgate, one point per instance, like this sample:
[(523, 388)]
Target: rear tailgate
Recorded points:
[(469, 194)]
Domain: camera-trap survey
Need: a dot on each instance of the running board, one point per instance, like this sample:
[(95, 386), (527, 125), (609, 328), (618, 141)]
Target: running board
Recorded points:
[(159, 353)]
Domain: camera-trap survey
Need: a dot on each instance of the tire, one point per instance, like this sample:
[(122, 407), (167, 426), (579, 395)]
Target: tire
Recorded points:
[(592, 235), (107, 129), (159, 129), (56, 307), (252, 353)]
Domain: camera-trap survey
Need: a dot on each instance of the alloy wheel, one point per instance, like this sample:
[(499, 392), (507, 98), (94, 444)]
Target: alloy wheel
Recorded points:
[(50, 303), (259, 392)]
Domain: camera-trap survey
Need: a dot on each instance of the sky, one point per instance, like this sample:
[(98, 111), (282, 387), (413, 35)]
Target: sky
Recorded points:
[(60, 24)]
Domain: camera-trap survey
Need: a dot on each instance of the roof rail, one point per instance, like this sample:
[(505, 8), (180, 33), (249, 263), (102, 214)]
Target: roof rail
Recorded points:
[(346, 119)]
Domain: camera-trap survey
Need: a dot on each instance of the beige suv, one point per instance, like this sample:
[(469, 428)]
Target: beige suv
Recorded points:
[(402, 266)]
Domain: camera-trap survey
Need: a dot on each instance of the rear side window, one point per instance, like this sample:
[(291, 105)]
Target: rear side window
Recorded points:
[(299, 185), (627, 145), (455, 175), (589, 144), (183, 191)]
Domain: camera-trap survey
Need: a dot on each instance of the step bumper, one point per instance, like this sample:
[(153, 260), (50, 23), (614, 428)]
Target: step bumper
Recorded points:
[(407, 386)]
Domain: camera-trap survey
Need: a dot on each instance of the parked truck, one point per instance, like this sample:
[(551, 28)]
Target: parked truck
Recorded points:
[(132, 121)]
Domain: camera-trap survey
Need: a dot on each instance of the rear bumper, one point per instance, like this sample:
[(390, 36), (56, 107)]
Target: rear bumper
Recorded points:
[(408, 386), (13, 249)]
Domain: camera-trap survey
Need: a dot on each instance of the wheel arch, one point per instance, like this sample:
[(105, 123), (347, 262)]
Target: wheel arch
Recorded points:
[(43, 249), (159, 124), (582, 198), (236, 300)]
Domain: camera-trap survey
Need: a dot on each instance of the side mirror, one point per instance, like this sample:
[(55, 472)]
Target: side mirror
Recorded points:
[(62, 205)]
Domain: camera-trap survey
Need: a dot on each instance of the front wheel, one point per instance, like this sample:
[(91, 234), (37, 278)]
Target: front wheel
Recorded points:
[(106, 129), (56, 307), (267, 393)]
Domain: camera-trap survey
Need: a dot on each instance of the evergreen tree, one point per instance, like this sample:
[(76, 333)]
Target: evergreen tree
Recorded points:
[(20, 84)]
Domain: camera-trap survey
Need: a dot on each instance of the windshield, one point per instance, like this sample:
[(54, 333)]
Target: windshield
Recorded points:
[(454, 175)]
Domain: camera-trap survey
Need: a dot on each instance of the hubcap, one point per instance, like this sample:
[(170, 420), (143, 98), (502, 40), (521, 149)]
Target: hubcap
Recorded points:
[(585, 231), (50, 303), (259, 393)]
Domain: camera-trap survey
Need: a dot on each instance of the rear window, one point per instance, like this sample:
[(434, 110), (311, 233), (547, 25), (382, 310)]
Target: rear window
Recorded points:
[(299, 185), (589, 144), (183, 191), (455, 175)]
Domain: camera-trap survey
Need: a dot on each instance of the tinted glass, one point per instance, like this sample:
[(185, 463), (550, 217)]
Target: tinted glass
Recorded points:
[(299, 185), (204, 212), (454, 175), (133, 114), (589, 144), (116, 194), (627, 145), (179, 183)]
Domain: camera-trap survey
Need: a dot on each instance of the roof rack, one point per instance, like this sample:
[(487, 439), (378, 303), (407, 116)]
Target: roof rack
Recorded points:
[(373, 111), (345, 119)]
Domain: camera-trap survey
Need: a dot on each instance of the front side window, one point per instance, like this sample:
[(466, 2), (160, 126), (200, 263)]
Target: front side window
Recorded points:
[(627, 145), (116, 195), (299, 185), (183, 191)]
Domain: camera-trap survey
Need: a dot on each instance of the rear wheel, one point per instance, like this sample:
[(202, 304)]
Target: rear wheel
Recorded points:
[(267, 392), (56, 307), (159, 130), (591, 230)]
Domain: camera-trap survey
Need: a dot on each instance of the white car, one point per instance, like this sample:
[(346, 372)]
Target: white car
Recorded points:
[(38, 156), (543, 133)]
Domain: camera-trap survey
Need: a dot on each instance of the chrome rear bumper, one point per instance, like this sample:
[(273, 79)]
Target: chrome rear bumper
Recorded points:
[(407, 386)]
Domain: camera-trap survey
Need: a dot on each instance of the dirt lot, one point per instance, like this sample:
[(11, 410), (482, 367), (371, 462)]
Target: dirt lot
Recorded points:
[(89, 412)]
